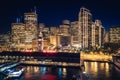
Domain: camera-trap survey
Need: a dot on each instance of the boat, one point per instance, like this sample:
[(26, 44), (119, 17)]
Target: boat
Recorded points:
[(7, 66), (116, 62), (14, 72)]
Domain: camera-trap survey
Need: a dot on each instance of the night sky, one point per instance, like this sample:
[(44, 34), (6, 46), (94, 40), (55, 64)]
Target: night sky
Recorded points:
[(53, 12)]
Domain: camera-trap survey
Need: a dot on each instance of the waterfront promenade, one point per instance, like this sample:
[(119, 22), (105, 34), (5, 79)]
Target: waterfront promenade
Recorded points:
[(96, 57), (58, 59)]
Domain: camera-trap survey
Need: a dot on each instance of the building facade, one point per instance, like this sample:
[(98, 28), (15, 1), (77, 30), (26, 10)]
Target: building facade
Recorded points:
[(31, 28), (85, 22), (5, 42), (80, 34), (18, 36), (115, 34), (97, 36), (74, 29)]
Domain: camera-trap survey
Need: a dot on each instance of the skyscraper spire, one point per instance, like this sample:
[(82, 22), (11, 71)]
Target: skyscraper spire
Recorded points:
[(35, 9), (17, 20)]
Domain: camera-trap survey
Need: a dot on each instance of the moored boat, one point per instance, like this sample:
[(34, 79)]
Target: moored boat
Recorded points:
[(15, 72)]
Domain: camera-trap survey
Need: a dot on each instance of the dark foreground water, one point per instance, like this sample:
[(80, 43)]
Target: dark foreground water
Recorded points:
[(96, 71), (102, 71)]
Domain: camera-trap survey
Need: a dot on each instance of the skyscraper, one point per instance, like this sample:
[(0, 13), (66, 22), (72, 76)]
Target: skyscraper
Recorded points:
[(31, 25), (74, 34), (18, 36), (97, 36), (84, 22), (91, 34), (115, 34), (65, 38)]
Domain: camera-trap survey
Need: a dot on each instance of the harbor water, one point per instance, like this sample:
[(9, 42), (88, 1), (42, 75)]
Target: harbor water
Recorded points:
[(96, 71)]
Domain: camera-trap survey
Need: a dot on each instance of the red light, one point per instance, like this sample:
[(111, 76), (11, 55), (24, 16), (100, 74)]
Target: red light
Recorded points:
[(28, 51), (49, 52)]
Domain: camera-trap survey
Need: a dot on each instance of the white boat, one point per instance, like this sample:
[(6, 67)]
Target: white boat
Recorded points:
[(14, 73)]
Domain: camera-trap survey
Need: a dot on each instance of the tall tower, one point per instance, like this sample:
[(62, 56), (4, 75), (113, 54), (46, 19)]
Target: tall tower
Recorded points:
[(65, 38), (74, 34), (97, 35), (40, 36), (18, 36), (31, 28), (64, 28), (84, 21)]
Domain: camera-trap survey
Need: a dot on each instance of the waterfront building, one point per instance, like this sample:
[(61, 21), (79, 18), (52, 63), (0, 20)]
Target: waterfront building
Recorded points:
[(54, 37), (91, 34), (81, 34), (74, 30), (18, 38), (24, 36), (107, 37), (54, 30), (97, 36), (40, 36), (65, 37), (64, 28), (46, 39), (115, 34), (31, 27), (84, 22), (5, 42)]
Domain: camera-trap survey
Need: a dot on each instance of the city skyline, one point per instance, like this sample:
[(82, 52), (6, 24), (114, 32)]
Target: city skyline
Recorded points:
[(81, 34), (53, 13)]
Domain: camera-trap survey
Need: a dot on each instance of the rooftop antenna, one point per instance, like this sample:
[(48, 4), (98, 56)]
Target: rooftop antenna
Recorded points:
[(31, 10), (21, 18), (35, 9), (17, 20)]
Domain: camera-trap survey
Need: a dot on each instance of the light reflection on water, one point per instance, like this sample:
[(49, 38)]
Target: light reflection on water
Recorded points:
[(101, 71), (96, 70), (49, 73)]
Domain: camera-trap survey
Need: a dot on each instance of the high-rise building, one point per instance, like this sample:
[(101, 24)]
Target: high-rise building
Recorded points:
[(82, 34), (18, 36), (107, 37), (46, 39), (65, 37), (74, 30), (97, 36), (91, 34), (40, 36), (115, 34), (84, 21), (64, 28), (5, 42), (54, 31), (31, 25)]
